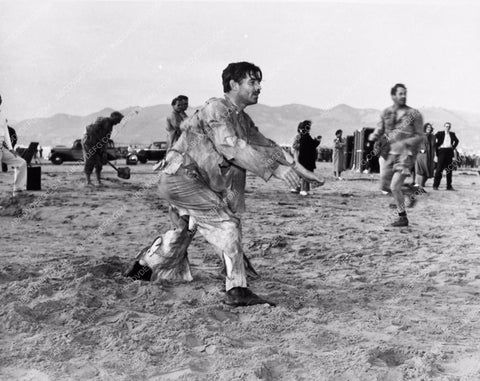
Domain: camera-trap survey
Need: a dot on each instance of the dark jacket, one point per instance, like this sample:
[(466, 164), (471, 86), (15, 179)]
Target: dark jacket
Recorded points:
[(440, 137), (13, 136), (307, 152)]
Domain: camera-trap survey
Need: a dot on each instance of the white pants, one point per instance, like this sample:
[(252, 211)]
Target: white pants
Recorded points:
[(20, 165)]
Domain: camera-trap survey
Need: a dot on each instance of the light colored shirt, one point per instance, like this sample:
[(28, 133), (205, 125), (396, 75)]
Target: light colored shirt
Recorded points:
[(173, 127), (404, 134), (447, 142), (4, 134), (221, 142)]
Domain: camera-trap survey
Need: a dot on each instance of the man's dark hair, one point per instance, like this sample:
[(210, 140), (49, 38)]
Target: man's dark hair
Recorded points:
[(179, 98), (304, 126), (394, 89), (338, 132), (237, 71), (116, 115)]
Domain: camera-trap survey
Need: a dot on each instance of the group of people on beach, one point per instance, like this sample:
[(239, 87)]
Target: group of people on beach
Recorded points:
[(203, 176), (404, 146)]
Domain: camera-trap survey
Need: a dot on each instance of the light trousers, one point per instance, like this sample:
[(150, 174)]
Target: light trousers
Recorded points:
[(19, 165), (195, 207)]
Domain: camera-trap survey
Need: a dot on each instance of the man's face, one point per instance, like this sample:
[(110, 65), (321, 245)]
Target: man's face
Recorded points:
[(181, 105), (400, 97), (447, 127), (249, 90)]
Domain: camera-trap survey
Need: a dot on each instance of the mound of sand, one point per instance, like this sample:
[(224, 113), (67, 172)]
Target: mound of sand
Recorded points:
[(357, 300)]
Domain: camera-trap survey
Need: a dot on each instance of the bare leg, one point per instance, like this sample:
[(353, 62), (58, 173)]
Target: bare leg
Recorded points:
[(396, 186)]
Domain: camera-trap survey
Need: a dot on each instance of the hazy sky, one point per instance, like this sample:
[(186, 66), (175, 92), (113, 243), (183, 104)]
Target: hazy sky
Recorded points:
[(78, 57)]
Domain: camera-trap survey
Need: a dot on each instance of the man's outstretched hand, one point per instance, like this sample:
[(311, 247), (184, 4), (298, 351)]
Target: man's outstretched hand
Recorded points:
[(288, 174), (314, 179), (293, 175)]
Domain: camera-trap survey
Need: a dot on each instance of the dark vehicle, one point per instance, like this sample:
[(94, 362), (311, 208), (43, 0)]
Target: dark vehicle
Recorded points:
[(324, 154), (60, 154), (155, 151)]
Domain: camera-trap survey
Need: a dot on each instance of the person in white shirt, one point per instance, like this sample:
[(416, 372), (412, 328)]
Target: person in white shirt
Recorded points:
[(11, 158)]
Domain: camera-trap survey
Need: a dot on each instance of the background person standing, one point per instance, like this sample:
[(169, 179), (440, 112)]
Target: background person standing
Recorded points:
[(425, 157), (338, 154), (446, 142), (306, 151), (178, 115)]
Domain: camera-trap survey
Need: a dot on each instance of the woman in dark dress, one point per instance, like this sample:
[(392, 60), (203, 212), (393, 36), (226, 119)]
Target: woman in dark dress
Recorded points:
[(305, 148), (425, 156)]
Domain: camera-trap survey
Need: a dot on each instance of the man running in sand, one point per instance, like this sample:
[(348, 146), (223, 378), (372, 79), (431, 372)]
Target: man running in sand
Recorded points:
[(403, 128), (203, 179)]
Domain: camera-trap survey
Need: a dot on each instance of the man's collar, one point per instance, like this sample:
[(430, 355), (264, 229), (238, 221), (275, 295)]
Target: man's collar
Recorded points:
[(395, 107), (232, 104)]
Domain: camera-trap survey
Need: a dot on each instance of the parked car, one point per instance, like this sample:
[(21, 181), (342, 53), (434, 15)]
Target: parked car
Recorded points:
[(324, 154), (155, 151), (59, 154)]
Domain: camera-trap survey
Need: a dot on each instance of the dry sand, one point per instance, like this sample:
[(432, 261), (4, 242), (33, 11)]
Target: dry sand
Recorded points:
[(357, 300)]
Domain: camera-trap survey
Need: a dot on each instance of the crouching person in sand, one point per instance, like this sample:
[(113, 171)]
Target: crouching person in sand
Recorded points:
[(95, 142), (203, 179)]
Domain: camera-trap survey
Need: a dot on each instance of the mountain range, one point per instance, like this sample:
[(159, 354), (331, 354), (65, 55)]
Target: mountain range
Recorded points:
[(278, 123)]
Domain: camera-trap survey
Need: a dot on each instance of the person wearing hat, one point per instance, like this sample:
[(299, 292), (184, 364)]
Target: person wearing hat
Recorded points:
[(9, 157), (95, 142)]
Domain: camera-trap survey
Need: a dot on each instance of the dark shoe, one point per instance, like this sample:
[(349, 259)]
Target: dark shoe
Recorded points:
[(242, 296), (450, 188), (400, 222), (138, 272), (435, 188)]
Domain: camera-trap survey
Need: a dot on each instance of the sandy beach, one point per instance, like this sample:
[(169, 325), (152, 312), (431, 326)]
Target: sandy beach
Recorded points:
[(357, 300)]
